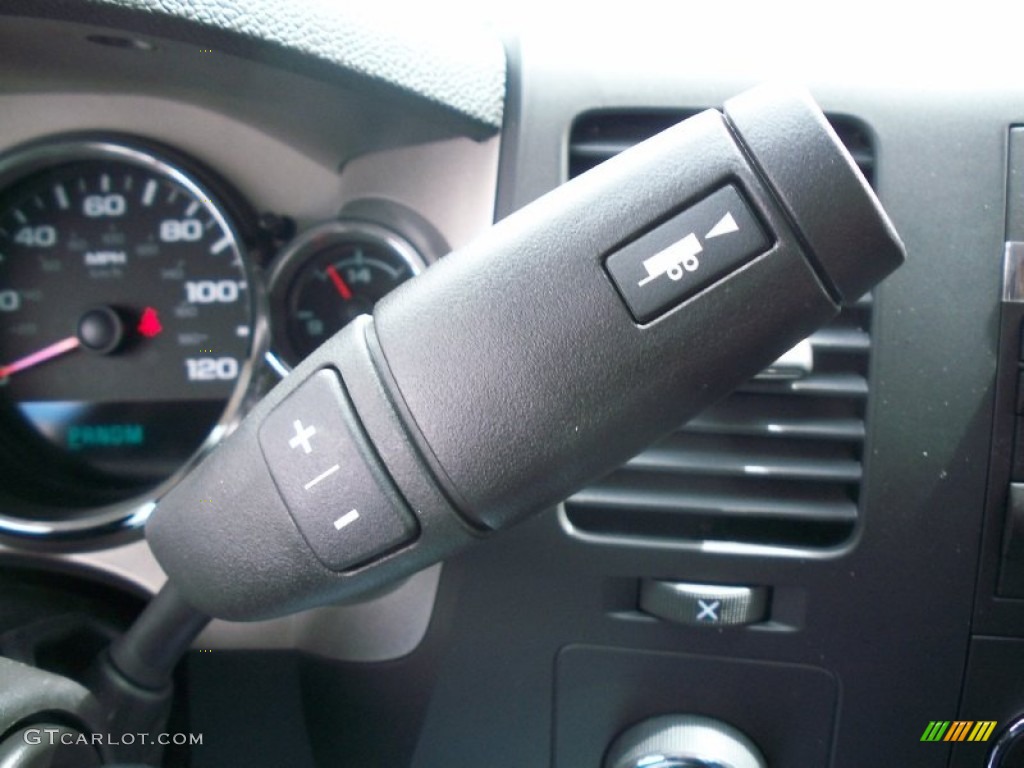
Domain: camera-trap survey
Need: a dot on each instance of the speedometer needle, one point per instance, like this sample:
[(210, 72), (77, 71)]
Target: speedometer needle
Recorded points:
[(41, 356)]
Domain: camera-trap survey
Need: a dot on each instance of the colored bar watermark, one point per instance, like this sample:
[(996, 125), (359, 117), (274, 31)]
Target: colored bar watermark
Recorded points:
[(958, 730)]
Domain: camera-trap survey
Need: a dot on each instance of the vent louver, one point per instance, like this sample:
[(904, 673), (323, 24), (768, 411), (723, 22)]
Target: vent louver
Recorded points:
[(778, 462)]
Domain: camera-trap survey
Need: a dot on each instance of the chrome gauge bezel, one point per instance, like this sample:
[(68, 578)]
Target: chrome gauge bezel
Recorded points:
[(84, 525), (303, 248)]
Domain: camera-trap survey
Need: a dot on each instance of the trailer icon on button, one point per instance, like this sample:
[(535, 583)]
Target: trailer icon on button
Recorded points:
[(731, 233), (683, 255), (673, 260)]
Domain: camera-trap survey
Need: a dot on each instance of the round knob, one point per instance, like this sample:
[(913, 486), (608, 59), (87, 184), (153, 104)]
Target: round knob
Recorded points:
[(683, 741), (101, 330)]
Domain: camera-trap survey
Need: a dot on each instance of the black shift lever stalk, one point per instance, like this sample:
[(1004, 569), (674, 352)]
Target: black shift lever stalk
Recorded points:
[(552, 349)]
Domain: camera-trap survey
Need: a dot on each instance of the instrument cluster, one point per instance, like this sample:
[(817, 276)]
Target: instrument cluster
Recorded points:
[(142, 302)]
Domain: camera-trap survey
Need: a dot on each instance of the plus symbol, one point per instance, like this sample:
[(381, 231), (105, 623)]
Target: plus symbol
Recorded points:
[(302, 435)]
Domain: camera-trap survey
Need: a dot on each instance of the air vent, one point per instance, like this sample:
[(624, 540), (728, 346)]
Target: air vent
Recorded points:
[(778, 462)]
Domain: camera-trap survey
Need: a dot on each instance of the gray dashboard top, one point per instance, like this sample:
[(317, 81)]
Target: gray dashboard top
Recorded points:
[(459, 68)]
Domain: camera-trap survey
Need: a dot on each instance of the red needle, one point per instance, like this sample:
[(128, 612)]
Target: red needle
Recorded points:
[(339, 283), (46, 353)]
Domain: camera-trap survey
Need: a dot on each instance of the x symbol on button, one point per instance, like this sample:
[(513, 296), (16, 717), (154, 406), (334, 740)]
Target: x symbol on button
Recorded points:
[(708, 609)]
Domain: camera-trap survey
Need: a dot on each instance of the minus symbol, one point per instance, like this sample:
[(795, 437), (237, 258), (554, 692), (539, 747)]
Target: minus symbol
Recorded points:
[(322, 476), (347, 519)]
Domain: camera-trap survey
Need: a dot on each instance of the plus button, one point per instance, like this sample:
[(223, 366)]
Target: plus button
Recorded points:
[(302, 435)]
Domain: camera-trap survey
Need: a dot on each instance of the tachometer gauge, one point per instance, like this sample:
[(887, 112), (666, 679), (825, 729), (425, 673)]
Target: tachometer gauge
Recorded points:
[(333, 273), (127, 324)]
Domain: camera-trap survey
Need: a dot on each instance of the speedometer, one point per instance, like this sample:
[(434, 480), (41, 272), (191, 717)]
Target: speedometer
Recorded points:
[(127, 324)]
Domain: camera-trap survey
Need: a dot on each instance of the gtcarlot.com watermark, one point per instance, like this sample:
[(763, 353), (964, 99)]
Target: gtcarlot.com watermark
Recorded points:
[(55, 736)]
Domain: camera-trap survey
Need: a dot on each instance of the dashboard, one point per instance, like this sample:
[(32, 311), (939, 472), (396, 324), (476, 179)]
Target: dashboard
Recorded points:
[(191, 198)]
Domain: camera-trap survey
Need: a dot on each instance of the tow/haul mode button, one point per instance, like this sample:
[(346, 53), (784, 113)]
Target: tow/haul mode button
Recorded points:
[(686, 254)]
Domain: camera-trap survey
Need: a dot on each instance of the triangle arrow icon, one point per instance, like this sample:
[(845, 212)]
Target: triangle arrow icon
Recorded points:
[(725, 225)]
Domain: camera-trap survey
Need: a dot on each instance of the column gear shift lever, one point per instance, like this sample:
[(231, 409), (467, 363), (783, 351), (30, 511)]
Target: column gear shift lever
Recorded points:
[(549, 351)]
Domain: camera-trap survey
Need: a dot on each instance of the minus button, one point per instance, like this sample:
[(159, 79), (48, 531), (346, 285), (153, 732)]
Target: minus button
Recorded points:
[(347, 519)]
